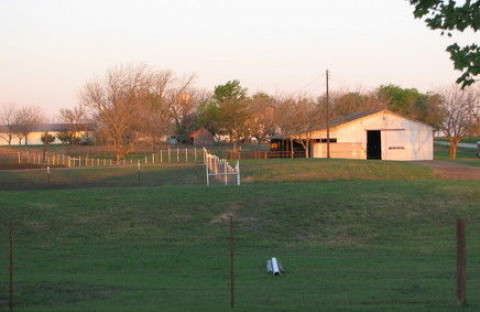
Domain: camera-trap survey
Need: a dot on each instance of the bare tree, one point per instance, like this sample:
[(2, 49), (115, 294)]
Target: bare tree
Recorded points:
[(263, 123), (138, 103), (306, 120), (46, 139), (7, 119), (117, 103), (283, 114), (460, 109), (25, 120), (183, 103), (155, 111), (74, 118), (298, 118)]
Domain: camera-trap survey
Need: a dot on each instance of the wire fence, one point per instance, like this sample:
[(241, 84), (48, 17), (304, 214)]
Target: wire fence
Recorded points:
[(126, 173), (135, 174), (15, 159), (207, 266)]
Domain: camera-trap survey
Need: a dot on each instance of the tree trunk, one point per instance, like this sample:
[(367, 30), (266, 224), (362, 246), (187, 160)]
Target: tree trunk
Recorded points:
[(305, 145), (44, 154), (153, 144), (453, 148)]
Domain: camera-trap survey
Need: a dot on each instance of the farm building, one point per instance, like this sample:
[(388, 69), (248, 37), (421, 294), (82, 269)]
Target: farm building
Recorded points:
[(201, 137), (379, 134), (32, 134)]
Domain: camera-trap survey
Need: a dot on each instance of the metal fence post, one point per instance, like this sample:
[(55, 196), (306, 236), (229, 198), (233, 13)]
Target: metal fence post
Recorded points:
[(10, 301), (461, 263)]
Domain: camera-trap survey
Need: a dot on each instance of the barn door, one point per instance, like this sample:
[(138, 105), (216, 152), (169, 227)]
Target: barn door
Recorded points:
[(374, 144)]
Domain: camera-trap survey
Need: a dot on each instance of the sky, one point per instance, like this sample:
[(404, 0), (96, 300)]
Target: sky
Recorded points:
[(50, 49)]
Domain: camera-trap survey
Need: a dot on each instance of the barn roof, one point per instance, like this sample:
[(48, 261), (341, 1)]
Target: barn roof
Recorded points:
[(199, 132), (346, 119)]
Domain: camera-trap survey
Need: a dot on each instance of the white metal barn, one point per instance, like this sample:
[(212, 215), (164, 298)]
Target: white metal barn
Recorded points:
[(371, 135)]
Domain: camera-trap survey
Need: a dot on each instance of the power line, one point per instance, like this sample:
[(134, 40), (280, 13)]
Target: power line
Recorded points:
[(309, 83)]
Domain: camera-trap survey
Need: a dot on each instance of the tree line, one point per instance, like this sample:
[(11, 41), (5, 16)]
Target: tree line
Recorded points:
[(139, 103), (133, 105)]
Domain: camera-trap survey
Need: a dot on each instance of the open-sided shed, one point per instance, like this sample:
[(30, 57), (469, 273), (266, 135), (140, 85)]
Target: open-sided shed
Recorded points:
[(380, 134)]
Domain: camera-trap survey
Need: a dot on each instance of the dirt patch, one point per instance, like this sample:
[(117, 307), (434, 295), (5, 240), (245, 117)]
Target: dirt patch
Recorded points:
[(225, 217), (453, 170)]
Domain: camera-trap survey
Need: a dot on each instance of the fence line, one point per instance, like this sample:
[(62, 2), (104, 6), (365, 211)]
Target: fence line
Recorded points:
[(247, 255), (220, 169), (178, 155), (236, 155)]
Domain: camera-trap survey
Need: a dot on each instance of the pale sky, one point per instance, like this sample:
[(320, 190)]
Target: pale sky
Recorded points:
[(50, 49)]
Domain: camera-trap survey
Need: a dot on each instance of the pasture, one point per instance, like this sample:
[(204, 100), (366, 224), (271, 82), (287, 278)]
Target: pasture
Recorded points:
[(352, 235)]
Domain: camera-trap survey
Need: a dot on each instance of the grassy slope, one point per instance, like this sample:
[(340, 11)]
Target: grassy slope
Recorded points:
[(260, 171), (371, 245)]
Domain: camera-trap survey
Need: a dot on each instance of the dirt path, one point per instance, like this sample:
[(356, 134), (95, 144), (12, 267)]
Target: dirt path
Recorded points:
[(452, 170)]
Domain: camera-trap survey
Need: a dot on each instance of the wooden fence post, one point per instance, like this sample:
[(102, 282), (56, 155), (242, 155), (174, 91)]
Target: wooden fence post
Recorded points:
[(237, 169), (461, 263)]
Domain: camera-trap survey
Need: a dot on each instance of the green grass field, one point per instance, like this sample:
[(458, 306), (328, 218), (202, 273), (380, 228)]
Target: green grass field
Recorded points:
[(352, 235)]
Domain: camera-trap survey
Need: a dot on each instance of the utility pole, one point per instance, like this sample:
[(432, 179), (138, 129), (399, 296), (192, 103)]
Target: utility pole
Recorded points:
[(328, 120), (232, 273)]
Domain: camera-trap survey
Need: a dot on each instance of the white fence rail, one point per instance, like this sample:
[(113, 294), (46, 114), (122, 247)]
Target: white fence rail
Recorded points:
[(220, 170), (178, 155)]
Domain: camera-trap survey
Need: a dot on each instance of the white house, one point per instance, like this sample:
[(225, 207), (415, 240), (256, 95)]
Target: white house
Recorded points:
[(380, 134)]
